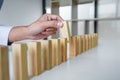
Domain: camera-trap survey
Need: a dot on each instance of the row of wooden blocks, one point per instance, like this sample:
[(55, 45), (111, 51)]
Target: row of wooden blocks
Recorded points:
[(34, 58), (82, 43)]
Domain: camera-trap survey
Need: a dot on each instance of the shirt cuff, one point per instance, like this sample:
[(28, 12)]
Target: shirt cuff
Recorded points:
[(4, 34)]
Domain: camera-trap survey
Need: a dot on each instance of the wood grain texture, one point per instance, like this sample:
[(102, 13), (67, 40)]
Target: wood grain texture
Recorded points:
[(89, 39), (65, 31), (4, 66), (56, 52), (96, 39), (34, 54), (73, 46), (83, 43), (79, 44), (46, 44), (87, 42), (19, 52), (63, 45)]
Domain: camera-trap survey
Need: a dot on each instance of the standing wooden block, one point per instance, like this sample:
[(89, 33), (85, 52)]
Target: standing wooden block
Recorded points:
[(63, 45), (34, 54), (90, 41), (4, 66), (87, 42), (78, 44), (73, 46), (20, 61), (56, 52), (83, 43), (96, 39), (46, 44), (65, 31)]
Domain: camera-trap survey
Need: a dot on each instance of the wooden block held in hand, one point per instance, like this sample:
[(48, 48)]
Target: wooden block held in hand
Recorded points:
[(65, 31), (4, 66), (20, 61), (34, 54), (63, 45)]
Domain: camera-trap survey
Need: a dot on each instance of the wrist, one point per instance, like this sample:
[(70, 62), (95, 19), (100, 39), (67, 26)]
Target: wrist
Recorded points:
[(18, 33)]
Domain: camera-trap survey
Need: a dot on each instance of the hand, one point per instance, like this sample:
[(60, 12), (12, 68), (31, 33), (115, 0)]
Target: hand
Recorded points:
[(45, 26), (41, 28)]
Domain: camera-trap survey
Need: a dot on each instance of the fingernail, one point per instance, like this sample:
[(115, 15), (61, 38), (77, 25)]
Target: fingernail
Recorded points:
[(59, 24)]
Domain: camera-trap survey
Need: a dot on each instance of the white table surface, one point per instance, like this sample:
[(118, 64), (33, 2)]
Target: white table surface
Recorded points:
[(99, 63)]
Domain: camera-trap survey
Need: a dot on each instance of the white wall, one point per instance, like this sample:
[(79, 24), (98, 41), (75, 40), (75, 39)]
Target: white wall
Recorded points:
[(85, 11), (109, 30), (20, 12)]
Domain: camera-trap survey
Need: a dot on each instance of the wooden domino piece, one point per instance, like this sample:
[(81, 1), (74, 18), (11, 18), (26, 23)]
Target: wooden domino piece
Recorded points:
[(46, 46), (81, 47), (4, 66), (87, 42), (34, 54), (63, 45), (78, 45), (65, 31), (93, 40), (20, 61), (56, 52), (90, 41), (73, 46), (83, 43), (96, 35)]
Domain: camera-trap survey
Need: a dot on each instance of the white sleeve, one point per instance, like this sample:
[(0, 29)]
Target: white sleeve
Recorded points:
[(4, 33)]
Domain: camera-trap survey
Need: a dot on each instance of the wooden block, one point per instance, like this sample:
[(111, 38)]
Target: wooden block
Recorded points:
[(34, 54), (20, 61), (87, 42), (83, 43), (65, 31), (90, 41), (78, 45), (96, 39), (63, 45), (73, 46), (56, 52), (46, 44), (4, 66)]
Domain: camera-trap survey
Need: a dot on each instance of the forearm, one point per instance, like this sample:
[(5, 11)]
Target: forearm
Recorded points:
[(18, 33)]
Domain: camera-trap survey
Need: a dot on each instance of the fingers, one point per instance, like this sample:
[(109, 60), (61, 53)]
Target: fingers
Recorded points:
[(51, 29), (54, 17), (52, 24), (50, 17)]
